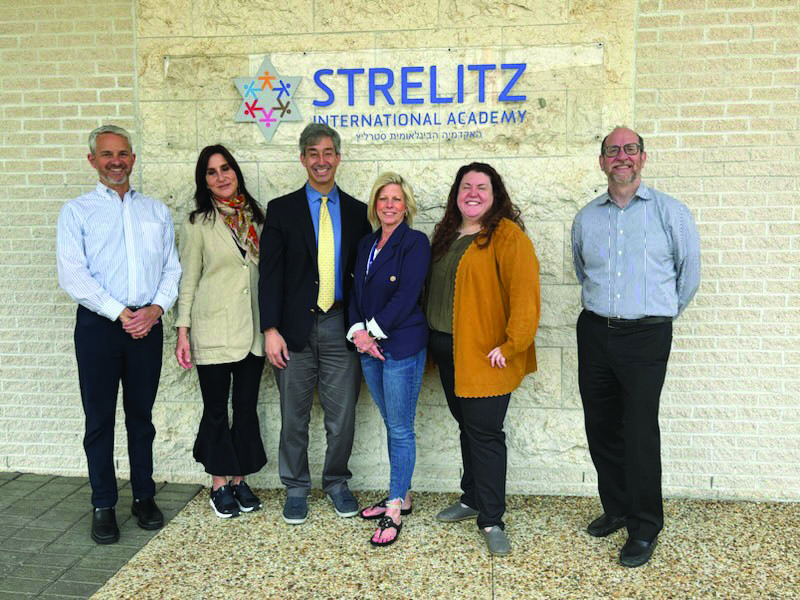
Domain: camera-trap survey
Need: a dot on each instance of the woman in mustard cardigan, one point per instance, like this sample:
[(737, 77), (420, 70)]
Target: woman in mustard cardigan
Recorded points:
[(218, 327), (483, 310)]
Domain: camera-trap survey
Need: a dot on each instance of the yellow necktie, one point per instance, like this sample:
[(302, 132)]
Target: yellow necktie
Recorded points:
[(326, 262)]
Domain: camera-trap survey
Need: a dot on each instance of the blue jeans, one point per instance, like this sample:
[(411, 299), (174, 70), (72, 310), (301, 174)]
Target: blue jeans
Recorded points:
[(394, 386)]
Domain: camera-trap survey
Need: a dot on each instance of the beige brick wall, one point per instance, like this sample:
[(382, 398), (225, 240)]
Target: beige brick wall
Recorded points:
[(718, 101), (713, 89), (65, 68)]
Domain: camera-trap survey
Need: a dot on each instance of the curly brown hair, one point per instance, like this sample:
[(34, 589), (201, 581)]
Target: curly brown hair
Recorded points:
[(445, 231)]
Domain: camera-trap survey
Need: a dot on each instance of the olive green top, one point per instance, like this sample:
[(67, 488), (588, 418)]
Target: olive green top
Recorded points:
[(442, 285)]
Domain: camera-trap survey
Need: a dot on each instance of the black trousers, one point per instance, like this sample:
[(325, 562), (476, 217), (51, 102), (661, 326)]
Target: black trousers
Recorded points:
[(483, 442), (234, 449), (620, 374), (106, 355)]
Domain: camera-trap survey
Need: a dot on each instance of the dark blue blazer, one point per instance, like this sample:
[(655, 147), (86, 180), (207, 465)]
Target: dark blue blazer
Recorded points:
[(390, 293), (289, 281)]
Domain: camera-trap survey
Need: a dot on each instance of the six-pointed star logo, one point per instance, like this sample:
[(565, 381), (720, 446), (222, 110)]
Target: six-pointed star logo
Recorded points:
[(267, 99)]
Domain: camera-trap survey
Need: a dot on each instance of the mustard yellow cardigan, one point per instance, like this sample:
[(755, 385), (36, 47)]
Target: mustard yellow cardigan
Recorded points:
[(497, 303)]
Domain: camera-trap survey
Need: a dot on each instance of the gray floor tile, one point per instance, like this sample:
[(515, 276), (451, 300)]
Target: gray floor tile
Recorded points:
[(112, 551), (74, 538), (8, 529), (14, 557), (20, 584), (45, 524), (104, 563), (36, 533), (45, 573), (53, 559), (25, 508), (82, 575), (76, 550), (24, 545), (57, 520), (16, 520), (35, 477), (73, 588)]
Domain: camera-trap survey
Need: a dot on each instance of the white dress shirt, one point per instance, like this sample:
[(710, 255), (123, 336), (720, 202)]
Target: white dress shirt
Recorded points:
[(113, 252)]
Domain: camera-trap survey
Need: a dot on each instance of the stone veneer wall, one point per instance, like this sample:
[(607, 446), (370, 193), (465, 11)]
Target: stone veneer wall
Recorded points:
[(710, 88)]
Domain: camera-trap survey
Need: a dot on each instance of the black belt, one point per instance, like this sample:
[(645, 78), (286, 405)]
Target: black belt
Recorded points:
[(335, 306), (135, 308), (613, 323)]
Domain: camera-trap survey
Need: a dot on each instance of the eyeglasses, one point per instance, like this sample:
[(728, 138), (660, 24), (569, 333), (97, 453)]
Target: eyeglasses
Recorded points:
[(630, 150)]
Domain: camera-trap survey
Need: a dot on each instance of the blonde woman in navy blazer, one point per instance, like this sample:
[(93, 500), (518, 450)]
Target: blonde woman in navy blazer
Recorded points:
[(390, 332), (218, 327)]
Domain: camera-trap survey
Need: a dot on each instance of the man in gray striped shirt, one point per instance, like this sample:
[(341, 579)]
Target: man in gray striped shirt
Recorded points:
[(115, 250), (637, 257)]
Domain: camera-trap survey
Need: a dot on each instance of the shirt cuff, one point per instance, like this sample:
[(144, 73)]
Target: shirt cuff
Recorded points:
[(351, 332), (112, 309), (164, 301), (375, 330)]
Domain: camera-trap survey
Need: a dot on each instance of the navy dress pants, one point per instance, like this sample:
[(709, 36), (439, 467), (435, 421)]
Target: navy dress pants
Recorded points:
[(107, 355)]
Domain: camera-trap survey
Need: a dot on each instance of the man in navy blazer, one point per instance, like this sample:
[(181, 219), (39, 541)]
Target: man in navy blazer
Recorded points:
[(304, 343)]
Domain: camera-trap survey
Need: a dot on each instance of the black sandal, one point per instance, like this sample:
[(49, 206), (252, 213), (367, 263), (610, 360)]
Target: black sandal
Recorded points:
[(384, 524), (404, 512)]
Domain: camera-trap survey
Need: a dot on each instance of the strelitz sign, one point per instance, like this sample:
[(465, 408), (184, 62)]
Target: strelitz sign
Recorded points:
[(400, 97), (415, 86)]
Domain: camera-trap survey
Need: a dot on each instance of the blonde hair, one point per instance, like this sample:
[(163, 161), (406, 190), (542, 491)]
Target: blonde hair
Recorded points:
[(389, 178)]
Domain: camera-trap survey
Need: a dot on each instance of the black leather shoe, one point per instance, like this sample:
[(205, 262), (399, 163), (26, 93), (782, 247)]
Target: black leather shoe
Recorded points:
[(605, 525), (636, 552), (149, 516), (104, 525)]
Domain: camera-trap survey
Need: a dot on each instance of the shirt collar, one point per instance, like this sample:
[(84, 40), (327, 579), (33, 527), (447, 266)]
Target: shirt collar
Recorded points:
[(104, 189), (642, 192), (314, 196)]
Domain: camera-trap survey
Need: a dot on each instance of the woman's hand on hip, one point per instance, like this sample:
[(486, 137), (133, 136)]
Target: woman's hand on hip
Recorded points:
[(496, 358)]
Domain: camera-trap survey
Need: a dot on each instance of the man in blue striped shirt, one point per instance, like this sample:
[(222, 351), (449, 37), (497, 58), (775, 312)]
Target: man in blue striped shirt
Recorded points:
[(116, 256), (637, 257)]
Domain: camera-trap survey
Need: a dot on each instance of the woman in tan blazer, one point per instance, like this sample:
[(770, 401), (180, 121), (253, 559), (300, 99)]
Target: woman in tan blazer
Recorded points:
[(218, 326)]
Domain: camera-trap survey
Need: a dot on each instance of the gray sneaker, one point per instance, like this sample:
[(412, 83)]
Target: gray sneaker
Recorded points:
[(456, 512), (496, 541), (295, 510), (344, 503)]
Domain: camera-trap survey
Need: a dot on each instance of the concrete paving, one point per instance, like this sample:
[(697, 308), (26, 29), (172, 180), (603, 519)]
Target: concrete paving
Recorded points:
[(44, 527)]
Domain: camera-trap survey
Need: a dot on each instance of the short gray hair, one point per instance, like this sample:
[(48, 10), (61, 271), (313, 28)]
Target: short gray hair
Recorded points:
[(314, 131), (108, 129), (388, 178)]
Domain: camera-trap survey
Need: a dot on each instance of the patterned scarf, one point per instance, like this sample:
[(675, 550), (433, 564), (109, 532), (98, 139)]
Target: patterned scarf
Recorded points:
[(238, 216)]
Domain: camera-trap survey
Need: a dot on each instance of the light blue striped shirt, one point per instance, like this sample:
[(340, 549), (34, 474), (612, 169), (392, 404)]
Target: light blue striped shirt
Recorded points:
[(643, 260), (112, 254)]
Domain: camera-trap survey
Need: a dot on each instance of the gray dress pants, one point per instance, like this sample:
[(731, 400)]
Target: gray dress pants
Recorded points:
[(325, 362)]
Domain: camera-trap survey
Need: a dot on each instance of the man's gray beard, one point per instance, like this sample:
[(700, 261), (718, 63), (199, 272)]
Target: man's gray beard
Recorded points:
[(617, 179)]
